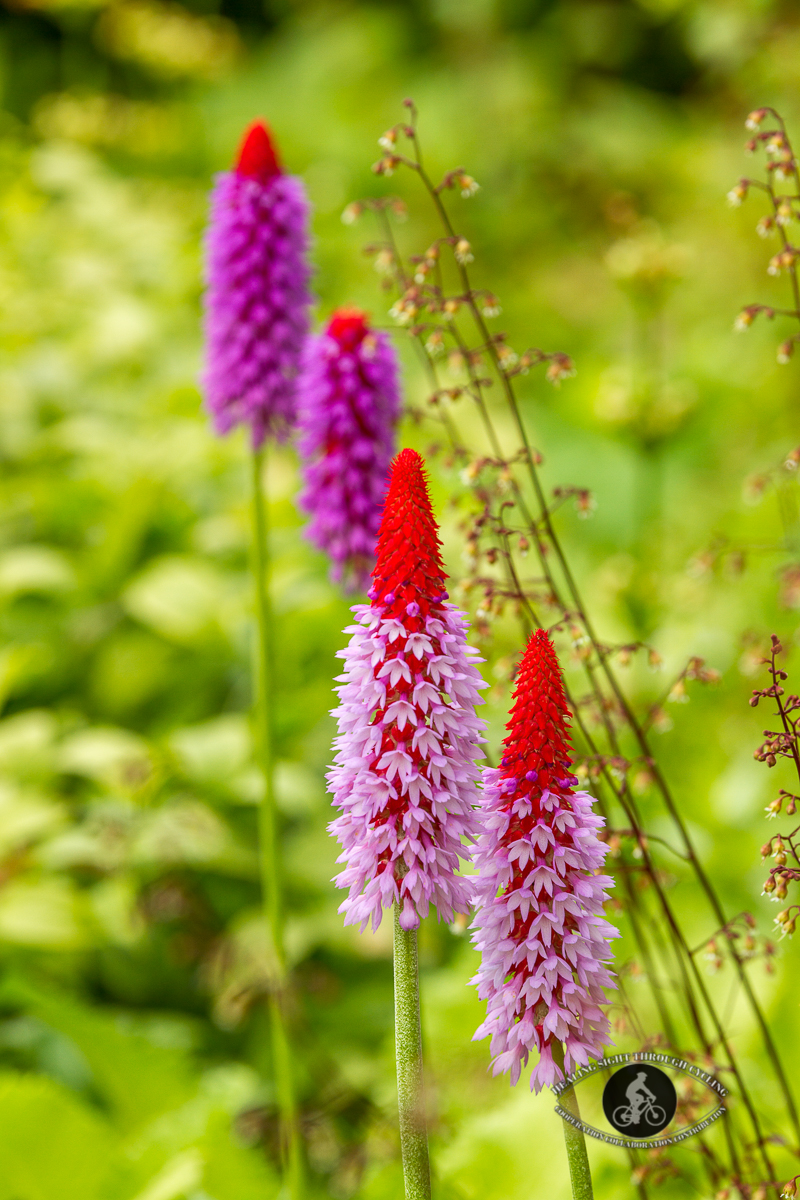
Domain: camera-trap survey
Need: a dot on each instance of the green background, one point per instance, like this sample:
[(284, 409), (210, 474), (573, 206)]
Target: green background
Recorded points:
[(134, 1059)]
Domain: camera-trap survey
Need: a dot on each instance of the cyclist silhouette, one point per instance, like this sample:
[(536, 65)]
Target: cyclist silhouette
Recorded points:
[(639, 1096), (641, 1105)]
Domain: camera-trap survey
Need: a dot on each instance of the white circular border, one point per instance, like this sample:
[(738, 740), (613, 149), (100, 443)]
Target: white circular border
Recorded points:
[(617, 1060)]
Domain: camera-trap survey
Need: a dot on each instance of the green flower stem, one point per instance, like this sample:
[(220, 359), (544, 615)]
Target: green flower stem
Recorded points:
[(408, 1043), (578, 1159), (291, 1146)]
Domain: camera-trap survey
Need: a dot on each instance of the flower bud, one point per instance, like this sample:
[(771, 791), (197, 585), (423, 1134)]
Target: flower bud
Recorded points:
[(753, 121), (785, 213), (463, 251), (769, 884), (765, 226), (785, 351), (737, 194)]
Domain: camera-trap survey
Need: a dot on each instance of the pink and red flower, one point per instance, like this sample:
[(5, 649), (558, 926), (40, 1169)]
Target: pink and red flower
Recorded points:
[(405, 777), (539, 924)]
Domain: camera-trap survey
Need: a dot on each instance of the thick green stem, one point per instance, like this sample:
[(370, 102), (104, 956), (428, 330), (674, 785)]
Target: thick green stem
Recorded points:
[(577, 1157), (408, 1043), (291, 1146)]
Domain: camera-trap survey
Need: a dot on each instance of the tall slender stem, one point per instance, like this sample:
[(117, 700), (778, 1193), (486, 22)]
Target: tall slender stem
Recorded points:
[(408, 1046), (577, 1156), (291, 1147)]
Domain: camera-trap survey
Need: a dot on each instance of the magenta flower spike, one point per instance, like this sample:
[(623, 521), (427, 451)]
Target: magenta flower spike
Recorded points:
[(539, 924), (348, 407), (405, 777), (257, 298)]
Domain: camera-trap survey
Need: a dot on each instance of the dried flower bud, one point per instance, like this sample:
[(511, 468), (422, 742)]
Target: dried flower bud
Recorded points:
[(744, 320), (463, 251), (753, 121), (435, 343), (737, 194), (791, 806), (769, 885), (785, 213), (585, 503), (766, 850), (352, 213), (560, 367)]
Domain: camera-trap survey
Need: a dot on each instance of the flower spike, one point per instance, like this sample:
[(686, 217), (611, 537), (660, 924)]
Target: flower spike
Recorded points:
[(257, 298), (349, 403), (405, 775), (539, 924)]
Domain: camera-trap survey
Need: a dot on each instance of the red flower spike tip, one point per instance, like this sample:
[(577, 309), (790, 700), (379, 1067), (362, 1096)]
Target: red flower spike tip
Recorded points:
[(538, 739), (258, 158), (409, 568), (348, 327)]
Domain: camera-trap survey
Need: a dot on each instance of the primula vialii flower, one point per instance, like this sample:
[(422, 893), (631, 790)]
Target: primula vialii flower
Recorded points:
[(539, 924), (349, 402), (405, 776), (257, 299)]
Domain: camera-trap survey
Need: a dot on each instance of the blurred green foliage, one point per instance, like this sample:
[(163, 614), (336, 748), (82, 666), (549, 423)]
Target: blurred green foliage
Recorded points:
[(134, 1057)]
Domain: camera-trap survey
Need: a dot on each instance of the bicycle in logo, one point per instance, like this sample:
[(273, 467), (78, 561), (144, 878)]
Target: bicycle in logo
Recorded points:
[(627, 1114)]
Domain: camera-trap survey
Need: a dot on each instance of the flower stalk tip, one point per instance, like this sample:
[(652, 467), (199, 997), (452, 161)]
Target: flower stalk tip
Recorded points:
[(257, 157)]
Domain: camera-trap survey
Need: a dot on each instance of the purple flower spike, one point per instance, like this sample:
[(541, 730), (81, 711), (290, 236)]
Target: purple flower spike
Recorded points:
[(256, 302), (348, 406)]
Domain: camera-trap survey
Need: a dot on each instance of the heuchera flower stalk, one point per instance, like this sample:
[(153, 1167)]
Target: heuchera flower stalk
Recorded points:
[(348, 406), (405, 774), (539, 924), (257, 298)]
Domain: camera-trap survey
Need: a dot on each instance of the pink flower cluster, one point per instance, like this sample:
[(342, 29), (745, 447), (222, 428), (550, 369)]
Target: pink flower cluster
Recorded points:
[(348, 406), (539, 926), (405, 775)]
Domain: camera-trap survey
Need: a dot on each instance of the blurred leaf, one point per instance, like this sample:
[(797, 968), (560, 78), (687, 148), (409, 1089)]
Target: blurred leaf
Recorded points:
[(50, 1143)]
